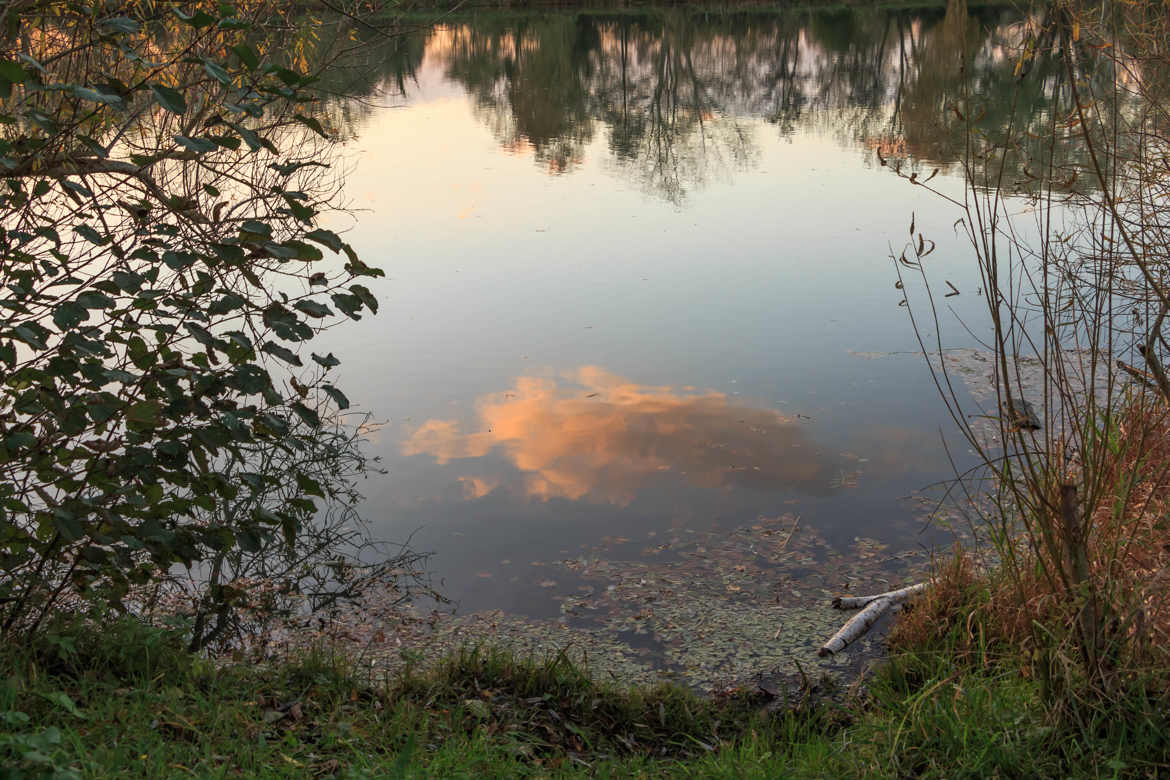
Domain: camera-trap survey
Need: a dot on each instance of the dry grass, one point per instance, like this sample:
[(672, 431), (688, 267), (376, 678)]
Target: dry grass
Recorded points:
[(1029, 618)]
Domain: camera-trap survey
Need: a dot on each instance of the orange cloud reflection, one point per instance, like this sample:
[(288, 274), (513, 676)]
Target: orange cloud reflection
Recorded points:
[(601, 437)]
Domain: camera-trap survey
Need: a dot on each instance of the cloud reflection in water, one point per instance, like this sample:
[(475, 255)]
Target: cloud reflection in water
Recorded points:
[(599, 437)]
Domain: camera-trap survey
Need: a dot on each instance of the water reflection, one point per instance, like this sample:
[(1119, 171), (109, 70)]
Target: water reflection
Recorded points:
[(667, 91), (759, 287), (596, 436), (668, 88)]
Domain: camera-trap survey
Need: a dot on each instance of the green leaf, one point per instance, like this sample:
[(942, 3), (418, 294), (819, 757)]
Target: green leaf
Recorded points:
[(69, 315), (326, 238), (229, 253), (226, 141), (312, 124), (198, 20), (256, 227), (229, 302), (170, 99), (128, 281), (122, 24), (285, 354), (62, 700), (200, 334), (358, 268), (301, 250), (233, 23), (95, 95), (307, 484), (313, 309), (327, 362), (75, 186), (217, 72), (19, 440), (177, 261), (350, 305), (249, 540), (273, 423), (92, 299), (337, 396), (145, 413), (100, 412), (251, 137), (14, 718), (289, 527), (91, 235), (311, 418), (197, 145), (12, 73), (365, 296), (247, 55), (32, 334), (67, 524), (288, 76)]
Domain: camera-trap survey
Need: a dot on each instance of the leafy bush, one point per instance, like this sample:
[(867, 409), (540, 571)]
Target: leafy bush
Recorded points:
[(163, 271)]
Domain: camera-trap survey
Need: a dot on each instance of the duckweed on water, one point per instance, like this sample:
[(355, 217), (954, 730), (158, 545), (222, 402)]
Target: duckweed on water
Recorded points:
[(704, 609)]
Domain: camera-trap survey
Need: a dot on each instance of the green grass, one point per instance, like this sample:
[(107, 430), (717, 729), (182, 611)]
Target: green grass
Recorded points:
[(127, 701)]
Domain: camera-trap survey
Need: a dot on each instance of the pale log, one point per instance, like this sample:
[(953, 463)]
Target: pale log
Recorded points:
[(857, 626)]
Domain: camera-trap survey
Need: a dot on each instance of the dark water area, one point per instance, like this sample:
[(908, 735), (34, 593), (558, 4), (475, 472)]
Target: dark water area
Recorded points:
[(639, 280)]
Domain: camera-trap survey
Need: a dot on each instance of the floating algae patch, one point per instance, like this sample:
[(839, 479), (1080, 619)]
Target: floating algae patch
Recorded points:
[(712, 609), (602, 653), (728, 605)]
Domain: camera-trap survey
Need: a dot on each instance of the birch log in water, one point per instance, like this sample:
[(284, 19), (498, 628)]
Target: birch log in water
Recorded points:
[(875, 607), (896, 596), (857, 626)]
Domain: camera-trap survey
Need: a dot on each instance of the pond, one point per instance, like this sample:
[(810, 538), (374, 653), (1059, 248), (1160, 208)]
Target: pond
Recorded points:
[(645, 380)]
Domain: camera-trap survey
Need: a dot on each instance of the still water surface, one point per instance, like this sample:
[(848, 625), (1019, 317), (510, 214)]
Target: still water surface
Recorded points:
[(639, 280)]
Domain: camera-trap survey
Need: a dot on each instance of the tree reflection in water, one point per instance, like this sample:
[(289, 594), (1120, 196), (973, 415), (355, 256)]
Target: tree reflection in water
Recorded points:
[(680, 98)]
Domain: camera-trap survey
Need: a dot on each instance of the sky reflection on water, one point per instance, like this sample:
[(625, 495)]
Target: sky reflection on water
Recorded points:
[(683, 315)]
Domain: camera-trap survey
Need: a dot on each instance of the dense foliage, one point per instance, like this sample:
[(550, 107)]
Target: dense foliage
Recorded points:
[(163, 270)]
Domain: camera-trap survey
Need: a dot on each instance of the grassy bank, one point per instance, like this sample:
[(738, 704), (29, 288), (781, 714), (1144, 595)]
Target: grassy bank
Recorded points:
[(128, 701)]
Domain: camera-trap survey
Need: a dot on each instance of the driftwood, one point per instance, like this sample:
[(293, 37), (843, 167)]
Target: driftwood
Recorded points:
[(874, 608), (856, 626), (897, 596)]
